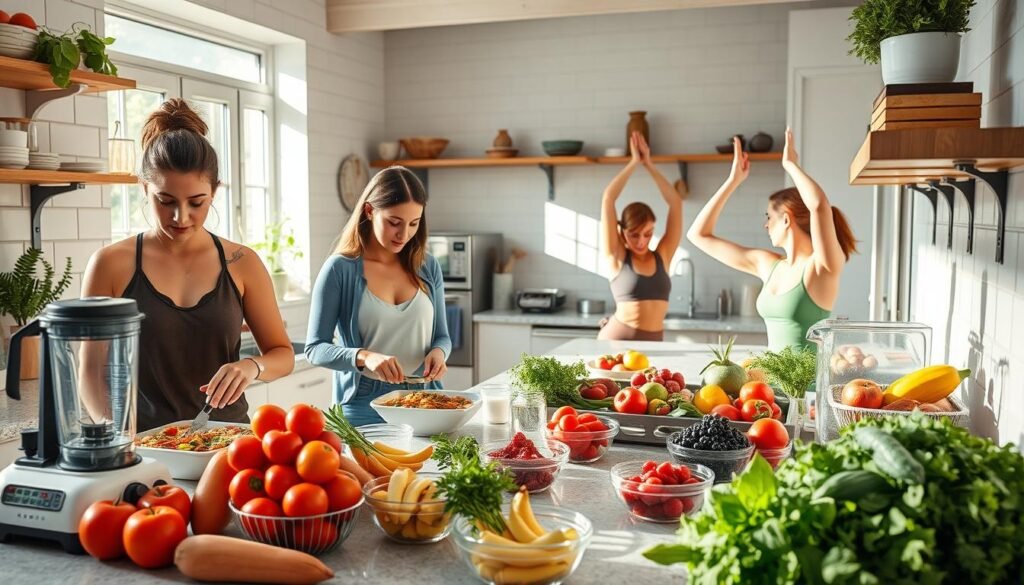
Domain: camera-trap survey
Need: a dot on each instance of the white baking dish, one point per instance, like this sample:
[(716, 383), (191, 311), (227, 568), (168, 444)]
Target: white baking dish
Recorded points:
[(182, 464), (427, 421)]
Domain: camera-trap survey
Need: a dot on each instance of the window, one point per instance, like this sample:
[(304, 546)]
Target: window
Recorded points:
[(239, 119)]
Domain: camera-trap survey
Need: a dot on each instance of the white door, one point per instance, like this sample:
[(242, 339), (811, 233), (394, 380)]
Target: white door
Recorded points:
[(829, 108)]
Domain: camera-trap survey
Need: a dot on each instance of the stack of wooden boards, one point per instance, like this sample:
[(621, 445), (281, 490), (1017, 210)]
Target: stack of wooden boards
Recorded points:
[(926, 105)]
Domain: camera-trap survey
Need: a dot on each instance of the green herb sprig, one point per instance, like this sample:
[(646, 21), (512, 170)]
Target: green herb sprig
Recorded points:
[(558, 383), (349, 434), (64, 51), (447, 451), (471, 488), (793, 370)]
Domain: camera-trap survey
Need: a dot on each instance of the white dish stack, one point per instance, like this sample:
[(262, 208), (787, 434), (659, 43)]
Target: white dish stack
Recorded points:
[(17, 41), (13, 157), (44, 161), (84, 167)]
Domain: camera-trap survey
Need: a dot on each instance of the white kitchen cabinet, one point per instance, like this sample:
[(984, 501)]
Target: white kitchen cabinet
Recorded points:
[(545, 339), (312, 386), (499, 346), (256, 396), (747, 338), (458, 378)]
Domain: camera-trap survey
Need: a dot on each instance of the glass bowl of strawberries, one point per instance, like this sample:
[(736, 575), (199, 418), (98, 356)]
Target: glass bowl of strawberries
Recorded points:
[(661, 491), (534, 468)]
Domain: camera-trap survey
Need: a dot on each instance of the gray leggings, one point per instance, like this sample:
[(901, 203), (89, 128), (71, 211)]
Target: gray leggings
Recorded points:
[(612, 328)]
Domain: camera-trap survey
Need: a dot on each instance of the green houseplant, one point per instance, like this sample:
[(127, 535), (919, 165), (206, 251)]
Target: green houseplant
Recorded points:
[(277, 249), (63, 52), (916, 41), (23, 296)]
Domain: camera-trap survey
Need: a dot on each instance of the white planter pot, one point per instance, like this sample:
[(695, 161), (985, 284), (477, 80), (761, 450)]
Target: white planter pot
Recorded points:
[(929, 57), (280, 281)]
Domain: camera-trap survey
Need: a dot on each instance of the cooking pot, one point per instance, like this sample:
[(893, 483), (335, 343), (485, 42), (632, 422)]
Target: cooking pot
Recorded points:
[(590, 306)]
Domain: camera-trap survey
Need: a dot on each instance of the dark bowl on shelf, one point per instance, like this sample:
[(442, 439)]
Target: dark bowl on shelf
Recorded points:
[(562, 147), (724, 148)]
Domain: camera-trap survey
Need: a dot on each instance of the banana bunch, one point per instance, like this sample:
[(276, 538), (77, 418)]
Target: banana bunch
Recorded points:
[(514, 557), (382, 460), (408, 509)]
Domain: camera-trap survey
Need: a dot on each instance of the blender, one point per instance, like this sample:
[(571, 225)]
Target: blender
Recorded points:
[(83, 450)]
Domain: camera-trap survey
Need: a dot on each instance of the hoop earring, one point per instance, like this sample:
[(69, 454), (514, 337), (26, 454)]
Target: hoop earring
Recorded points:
[(217, 213)]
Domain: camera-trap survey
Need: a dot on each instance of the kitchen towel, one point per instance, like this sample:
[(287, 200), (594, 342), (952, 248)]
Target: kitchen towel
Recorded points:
[(454, 315)]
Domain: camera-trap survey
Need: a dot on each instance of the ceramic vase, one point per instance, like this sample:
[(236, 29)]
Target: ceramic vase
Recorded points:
[(637, 123)]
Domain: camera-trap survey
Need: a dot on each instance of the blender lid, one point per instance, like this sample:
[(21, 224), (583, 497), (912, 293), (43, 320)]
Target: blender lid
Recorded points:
[(105, 309)]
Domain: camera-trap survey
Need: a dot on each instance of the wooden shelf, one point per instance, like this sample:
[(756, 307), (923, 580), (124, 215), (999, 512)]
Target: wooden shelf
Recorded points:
[(907, 157), (25, 74), (36, 177), (453, 163), (690, 158)]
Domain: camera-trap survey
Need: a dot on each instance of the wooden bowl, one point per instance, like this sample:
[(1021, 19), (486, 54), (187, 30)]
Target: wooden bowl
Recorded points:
[(502, 152), (424, 147)]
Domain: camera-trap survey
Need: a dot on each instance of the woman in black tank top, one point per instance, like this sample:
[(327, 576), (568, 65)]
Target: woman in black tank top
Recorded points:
[(639, 276), (194, 288)]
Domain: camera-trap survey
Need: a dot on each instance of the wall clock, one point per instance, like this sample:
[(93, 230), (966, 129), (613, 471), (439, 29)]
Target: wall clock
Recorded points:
[(353, 175)]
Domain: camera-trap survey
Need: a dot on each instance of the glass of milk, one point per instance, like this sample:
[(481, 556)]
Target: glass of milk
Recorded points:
[(497, 403)]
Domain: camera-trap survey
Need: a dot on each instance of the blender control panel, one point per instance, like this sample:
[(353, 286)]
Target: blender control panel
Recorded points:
[(30, 497)]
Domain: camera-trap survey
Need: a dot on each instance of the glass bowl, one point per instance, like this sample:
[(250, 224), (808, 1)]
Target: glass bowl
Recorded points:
[(315, 535), (723, 463), (397, 436), (660, 503), (546, 564), (776, 456), (536, 474), (407, 522), (587, 446)]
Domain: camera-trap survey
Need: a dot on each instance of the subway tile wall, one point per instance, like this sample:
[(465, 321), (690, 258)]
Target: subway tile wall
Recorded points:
[(974, 305), (702, 75)]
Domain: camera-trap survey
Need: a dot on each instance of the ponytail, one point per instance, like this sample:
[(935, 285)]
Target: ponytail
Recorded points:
[(789, 199), (174, 139), (843, 232)]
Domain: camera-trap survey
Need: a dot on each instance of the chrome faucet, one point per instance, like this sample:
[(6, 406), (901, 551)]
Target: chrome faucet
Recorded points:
[(692, 307)]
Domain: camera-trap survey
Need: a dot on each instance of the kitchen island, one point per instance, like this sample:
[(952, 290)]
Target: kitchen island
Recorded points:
[(368, 556)]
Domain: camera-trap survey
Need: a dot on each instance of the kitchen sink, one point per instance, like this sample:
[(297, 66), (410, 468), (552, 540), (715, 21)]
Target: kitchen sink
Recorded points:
[(696, 316)]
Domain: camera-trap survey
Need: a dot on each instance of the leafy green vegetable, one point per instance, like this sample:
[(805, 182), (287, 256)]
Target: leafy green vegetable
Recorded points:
[(472, 489), (446, 451), (558, 383), (682, 407), (792, 370), (877, 20), (64, 51), (963, 524)]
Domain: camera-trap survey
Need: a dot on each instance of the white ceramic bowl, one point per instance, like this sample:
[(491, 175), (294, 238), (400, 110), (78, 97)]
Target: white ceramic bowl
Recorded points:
[(427, 421), (182, 464), (596, 372), (16, 138), (388, 150)]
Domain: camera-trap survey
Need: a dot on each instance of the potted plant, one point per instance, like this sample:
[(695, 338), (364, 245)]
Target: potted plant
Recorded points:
[(23, 296), (277, 248), (917, 41)]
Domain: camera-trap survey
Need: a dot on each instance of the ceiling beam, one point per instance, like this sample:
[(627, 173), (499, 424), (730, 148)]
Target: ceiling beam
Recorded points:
[(345, 16)]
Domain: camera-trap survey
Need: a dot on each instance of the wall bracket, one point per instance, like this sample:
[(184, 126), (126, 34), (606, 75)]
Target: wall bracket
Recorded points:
[(35, 99), (933, 198), (947, 191), (684, 172), (39, 196), (549, 171), (998, 181), (967, 189)]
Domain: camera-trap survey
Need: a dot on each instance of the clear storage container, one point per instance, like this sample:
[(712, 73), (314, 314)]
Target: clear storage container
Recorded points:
[(881, 351)]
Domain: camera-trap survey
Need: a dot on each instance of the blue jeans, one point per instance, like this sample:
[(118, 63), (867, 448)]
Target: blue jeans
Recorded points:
[(358, 410)]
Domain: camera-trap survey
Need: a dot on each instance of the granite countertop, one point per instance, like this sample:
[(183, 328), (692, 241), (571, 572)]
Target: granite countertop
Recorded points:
[(368, 556), (567, 318)]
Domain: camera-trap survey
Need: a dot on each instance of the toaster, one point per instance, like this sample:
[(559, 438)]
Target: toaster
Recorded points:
[(540, 300)]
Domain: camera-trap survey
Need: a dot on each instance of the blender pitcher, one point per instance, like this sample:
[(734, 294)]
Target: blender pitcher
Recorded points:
[(881, 351), (93, 345)]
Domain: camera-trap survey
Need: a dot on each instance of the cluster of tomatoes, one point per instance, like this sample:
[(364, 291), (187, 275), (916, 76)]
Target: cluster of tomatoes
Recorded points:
[(585, 434), (290, 469), (649, 496), (18, 19), (147, 531), (756, 401)]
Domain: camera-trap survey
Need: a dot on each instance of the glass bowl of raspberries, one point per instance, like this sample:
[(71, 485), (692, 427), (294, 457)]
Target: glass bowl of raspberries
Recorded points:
[(533, 468), (661, 491)]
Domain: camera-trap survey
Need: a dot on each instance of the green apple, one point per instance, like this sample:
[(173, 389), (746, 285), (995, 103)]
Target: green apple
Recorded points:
[(654, 391)]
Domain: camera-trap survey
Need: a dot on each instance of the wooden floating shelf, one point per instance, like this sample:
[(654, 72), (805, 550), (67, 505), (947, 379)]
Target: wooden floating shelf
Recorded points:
[(25, 74), (907, 157), (519, 161), (690, 158), (37, 177)]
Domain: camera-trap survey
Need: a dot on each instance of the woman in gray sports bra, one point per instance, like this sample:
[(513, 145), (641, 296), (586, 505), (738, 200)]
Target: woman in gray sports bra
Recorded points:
[(640, 282)]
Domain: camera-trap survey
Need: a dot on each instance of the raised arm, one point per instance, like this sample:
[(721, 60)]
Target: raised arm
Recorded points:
[(828, 253), (674, 223), (611, 246), (702, 233)]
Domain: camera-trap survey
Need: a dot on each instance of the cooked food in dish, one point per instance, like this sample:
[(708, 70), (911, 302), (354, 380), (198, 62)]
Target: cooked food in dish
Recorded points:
[(432, 400), (177, 438)]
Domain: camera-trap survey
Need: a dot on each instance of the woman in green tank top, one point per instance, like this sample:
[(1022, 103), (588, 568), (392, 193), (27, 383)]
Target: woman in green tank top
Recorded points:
[(800, 285)]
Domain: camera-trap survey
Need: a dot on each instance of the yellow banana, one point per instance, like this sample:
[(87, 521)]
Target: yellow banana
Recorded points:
[(427, 530), (520, 530), (510, 552), (928, 384), (390, 464), (410, 500), (521, 506), (538, 574), (409, 531), (401, 456), (486, 570)]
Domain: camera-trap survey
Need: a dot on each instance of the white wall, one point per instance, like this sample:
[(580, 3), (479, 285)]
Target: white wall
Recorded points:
[(975, 306), (702, 75)]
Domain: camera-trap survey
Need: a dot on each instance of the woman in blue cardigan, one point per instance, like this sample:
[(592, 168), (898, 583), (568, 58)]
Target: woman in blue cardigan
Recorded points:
[(383, 296)]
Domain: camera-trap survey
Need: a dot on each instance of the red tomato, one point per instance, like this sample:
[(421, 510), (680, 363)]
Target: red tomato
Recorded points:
[(282, 447), (342, 492), (305, 499), (306, 420), (4, 17), (317, 462), (314, 534), (22, 19), (776, 412), (246, 453), (630, 401), (755, 409), (262, 507), (586, 417), (757, 391), (102, 524), (569, 423), (332, 439), (727, 410), (594, 426), (278, 479), (269, 417), (168, 495), (151, 535), (768, 433), (667, 472), (563, 411), (593, 393), (265, 528), (246, 485)]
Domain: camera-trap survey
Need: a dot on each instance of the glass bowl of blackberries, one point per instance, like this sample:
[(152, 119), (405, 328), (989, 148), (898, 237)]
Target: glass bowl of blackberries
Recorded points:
[(712, 442)]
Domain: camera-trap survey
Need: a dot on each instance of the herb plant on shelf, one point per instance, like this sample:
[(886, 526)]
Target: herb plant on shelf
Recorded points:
[(877, 20), (277, 248), (64, 52)]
